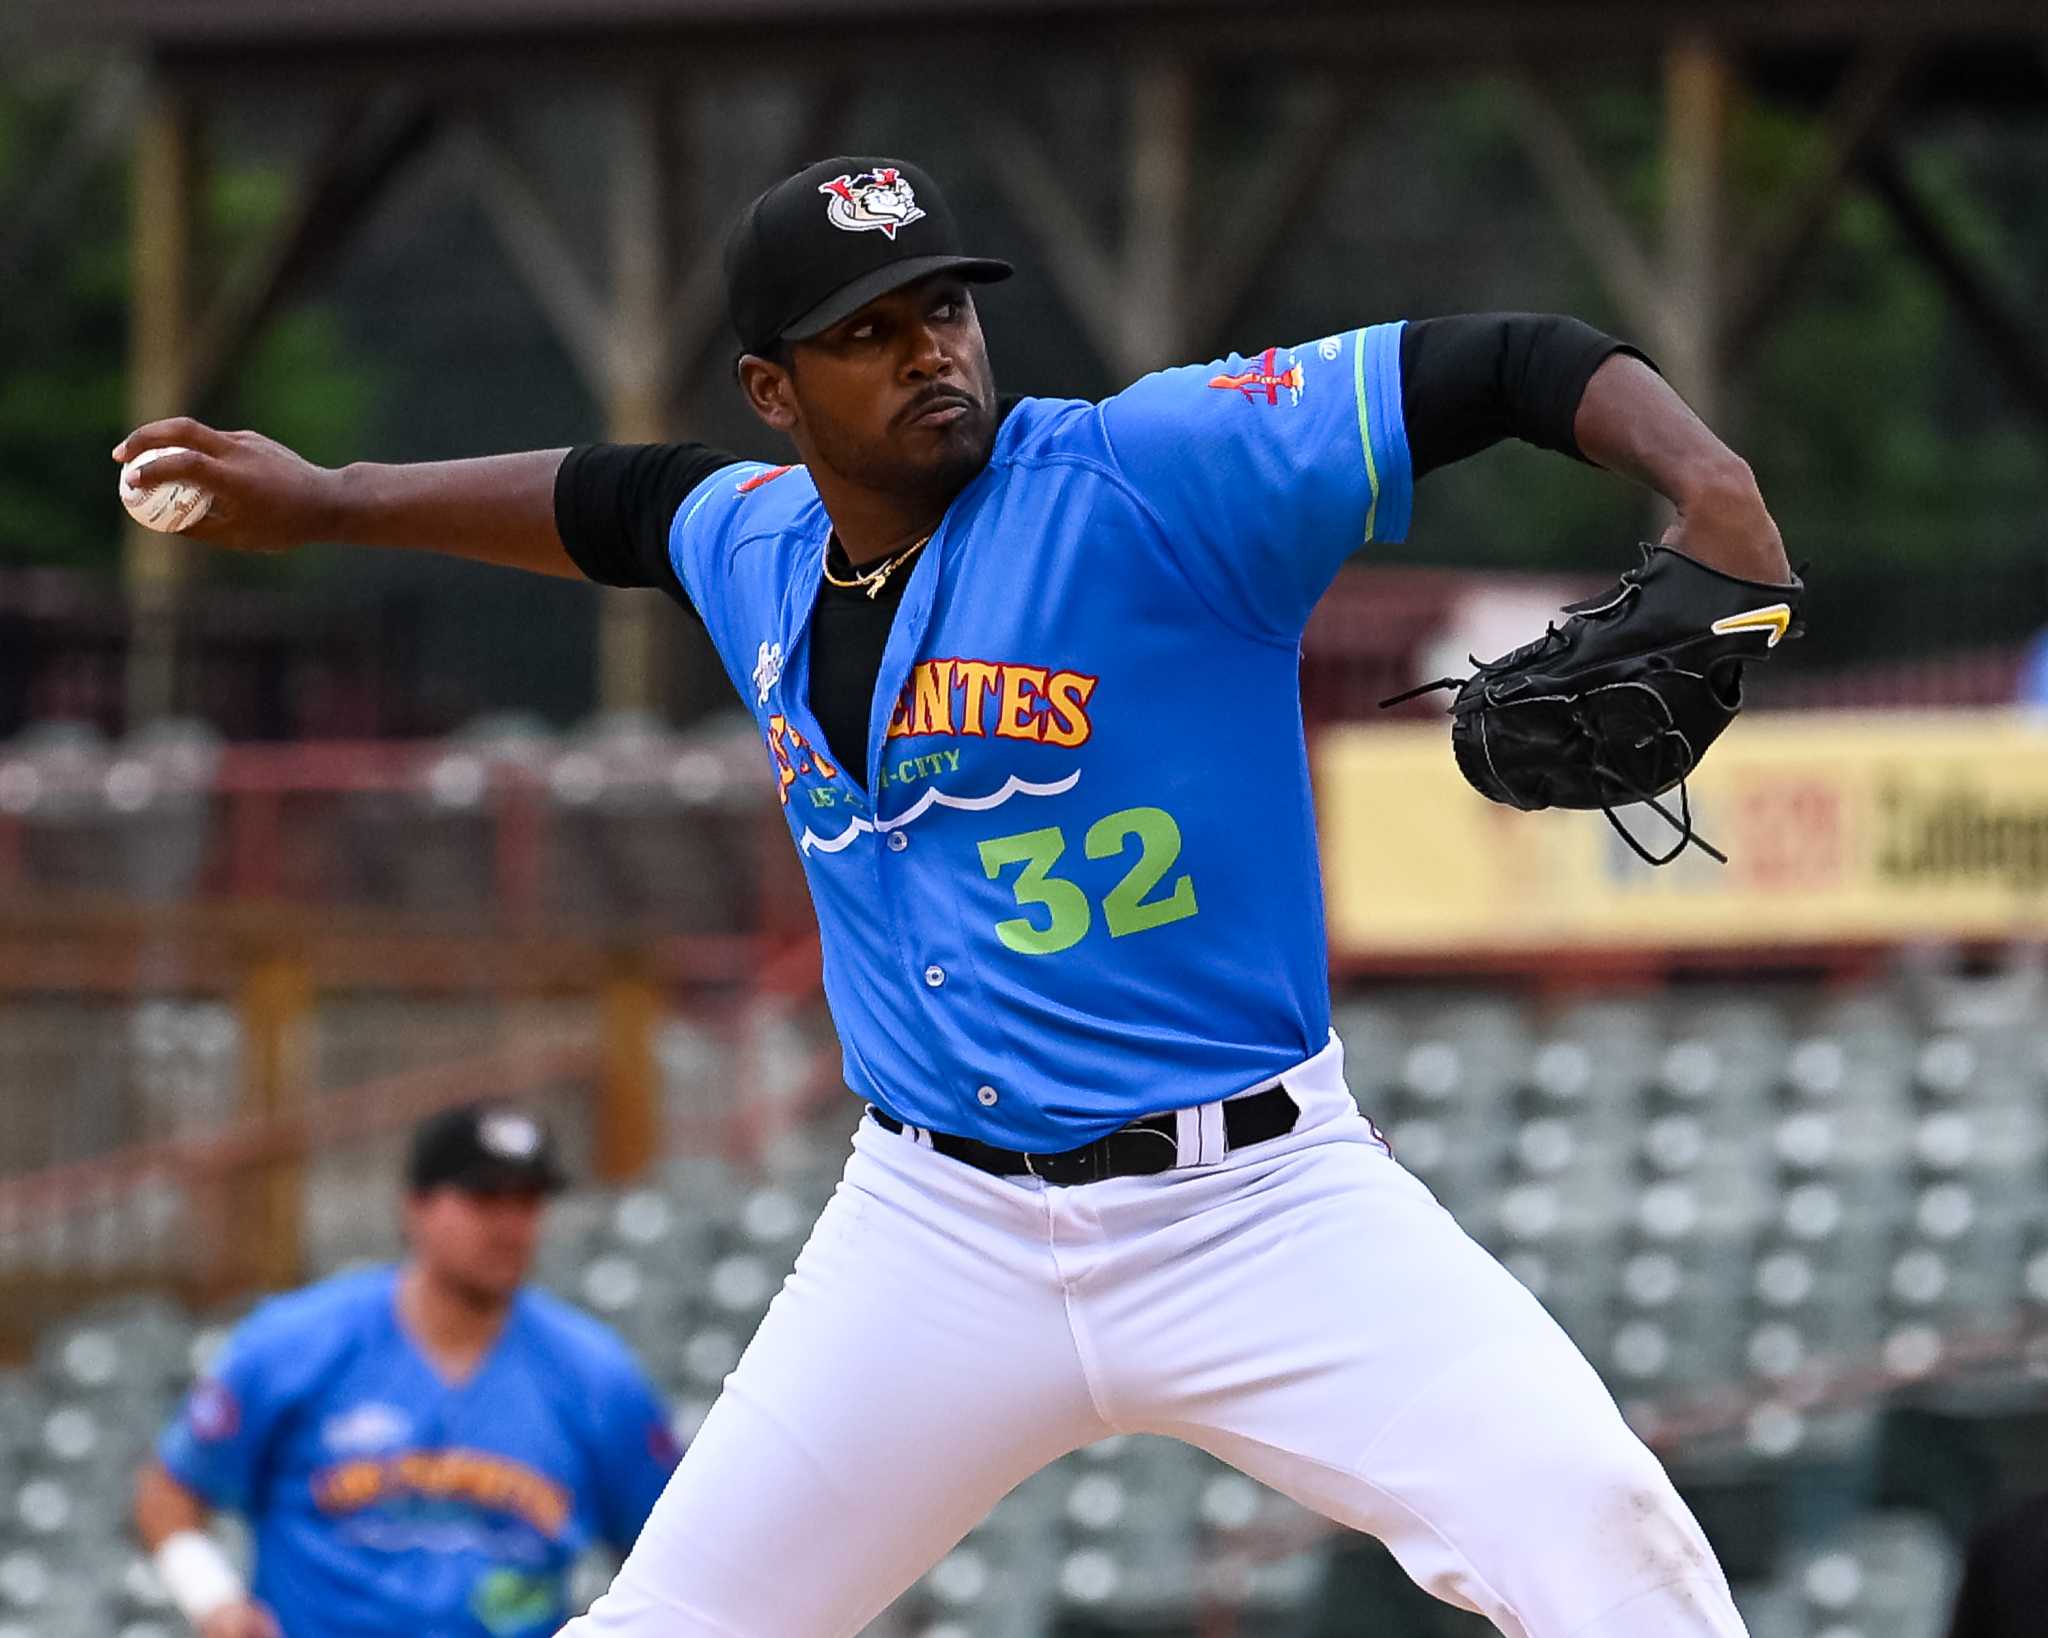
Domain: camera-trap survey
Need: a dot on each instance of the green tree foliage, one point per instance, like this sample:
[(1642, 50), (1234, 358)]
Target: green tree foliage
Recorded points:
[(1873, 411), (1890, 445), (1883, 431), (64, 330)]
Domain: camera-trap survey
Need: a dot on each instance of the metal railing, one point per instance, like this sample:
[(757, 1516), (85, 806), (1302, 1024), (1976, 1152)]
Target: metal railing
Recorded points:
[(620, 825)]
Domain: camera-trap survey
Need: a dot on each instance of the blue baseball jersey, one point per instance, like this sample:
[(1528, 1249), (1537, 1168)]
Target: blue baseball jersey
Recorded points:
[(1077, 881), (385, 1500)]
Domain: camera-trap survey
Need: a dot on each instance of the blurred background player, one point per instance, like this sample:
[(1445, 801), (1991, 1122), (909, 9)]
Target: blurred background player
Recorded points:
[(419, 1448)]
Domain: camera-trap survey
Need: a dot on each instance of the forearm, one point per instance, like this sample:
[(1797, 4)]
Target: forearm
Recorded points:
[(497, 509), (164, 1507), (1632, 422), (267, 498), (206, 1587)]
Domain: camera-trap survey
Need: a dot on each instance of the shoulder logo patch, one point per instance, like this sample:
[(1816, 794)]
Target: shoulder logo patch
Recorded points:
[(767, 669), (1264, 383), (749, 485), (212, 1413)]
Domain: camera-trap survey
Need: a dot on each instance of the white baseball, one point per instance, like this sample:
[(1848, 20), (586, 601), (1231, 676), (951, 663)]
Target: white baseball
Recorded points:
[(168, 508)]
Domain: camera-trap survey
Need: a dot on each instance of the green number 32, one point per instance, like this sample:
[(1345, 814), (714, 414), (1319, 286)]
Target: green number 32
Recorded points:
[(1125, 908)]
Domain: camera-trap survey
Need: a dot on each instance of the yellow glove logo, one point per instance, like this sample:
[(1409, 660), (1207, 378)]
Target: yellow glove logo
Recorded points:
[(1777, 619)]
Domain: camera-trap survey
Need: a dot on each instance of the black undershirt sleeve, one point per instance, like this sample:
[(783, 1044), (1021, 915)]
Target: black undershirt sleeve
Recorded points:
[(1467, 382), (614, 504), (1472, 379)]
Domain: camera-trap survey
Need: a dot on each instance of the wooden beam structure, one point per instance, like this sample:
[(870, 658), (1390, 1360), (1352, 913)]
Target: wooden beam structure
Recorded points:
[(1290, 178), (565, 290), (367, 145), (1698, 85), (638, 306), (1149, 290), (2010, 333), (1865, 100), (267, 1210), (1587, 206), (164, 209), (106, 113), (646, 187), (327, 41)]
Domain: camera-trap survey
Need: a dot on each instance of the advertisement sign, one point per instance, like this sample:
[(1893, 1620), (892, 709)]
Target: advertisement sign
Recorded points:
[(1837, 826)]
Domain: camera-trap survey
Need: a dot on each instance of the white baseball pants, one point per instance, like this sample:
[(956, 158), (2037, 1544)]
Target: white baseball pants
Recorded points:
[(1303, 1308)]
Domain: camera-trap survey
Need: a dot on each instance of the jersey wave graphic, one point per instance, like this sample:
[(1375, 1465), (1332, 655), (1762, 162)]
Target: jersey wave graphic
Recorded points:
[(812, 842)]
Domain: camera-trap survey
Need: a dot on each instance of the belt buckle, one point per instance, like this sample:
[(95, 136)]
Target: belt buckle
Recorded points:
[(1051, 1174), (1071, 1167)]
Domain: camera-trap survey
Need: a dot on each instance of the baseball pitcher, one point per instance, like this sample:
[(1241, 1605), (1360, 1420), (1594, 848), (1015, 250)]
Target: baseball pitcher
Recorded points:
[(1026, 677)]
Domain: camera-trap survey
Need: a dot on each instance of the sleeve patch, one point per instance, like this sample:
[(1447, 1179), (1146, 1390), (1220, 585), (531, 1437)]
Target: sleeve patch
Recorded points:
[(212, 1413), (748, 485), (1265, 381)]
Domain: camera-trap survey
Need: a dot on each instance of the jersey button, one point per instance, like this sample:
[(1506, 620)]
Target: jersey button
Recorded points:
[(986, 1096), (934, 976), (897, 841)]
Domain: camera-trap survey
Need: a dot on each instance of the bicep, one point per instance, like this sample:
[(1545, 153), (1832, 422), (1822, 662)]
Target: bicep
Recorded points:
[(1470, 380), (164, 1505)]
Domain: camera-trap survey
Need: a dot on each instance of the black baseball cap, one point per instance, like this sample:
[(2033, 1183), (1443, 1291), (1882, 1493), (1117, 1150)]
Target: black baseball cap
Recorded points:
[(484, 1147), (825, 242)]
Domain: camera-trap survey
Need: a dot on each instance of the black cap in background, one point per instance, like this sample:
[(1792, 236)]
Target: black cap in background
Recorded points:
[(484, 1147), (825, 242)]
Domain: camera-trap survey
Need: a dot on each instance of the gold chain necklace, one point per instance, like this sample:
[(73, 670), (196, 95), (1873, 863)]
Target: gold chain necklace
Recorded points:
[(875, 579)]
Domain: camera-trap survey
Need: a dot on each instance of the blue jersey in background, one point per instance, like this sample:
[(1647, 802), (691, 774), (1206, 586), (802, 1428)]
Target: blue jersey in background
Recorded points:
[(386, 1500)]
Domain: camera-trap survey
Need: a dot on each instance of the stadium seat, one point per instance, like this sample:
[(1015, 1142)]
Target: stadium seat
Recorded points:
[(1375, 1035), (1772, 1611), (42, 1592), (774, 1222), (1706, 1191), (647, 1302), (139, 1592), (1889, 1575), (51, 781), (643, 825), (1749, 1037), (987, 1586), (589, 1577)]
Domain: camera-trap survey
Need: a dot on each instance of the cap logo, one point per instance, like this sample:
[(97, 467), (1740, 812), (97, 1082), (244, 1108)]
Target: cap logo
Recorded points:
[(879, 200), (509, 1136)]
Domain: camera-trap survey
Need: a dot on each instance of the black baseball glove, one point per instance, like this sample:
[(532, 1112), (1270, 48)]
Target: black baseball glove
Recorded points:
[(1619, 703)]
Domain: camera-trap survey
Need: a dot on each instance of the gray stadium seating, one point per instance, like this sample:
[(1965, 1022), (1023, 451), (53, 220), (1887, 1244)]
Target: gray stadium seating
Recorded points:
[(1707, 1191)]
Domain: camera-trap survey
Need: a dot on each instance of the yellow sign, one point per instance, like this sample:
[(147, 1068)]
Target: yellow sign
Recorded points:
[(1838, 827)]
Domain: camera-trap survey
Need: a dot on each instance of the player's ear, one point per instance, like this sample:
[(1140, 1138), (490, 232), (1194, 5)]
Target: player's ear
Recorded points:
[(770, 392)]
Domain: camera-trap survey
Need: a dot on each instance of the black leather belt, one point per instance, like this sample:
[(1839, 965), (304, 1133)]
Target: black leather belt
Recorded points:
[(1137, 1150)]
